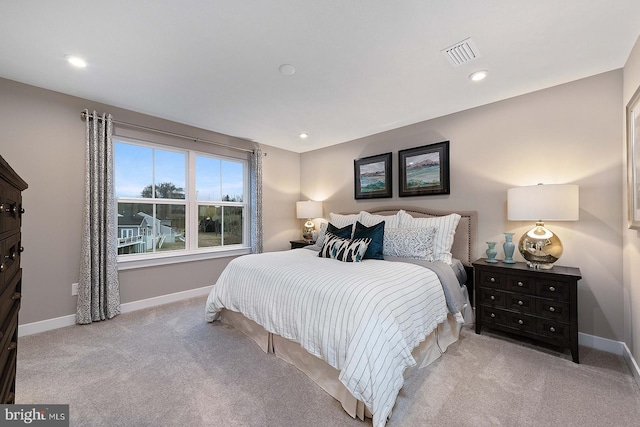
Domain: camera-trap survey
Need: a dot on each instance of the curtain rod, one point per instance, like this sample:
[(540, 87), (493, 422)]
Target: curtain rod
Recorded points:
[(83, 116)]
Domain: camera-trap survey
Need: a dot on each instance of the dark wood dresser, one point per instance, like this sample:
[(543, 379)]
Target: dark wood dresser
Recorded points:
[(11, 186), (537, 304)]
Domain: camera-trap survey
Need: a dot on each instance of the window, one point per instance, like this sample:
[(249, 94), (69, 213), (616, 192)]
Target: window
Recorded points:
[(173, 202)]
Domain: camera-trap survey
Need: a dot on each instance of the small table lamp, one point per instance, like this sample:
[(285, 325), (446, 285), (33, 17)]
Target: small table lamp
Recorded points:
[(557, 202), (308, 210)]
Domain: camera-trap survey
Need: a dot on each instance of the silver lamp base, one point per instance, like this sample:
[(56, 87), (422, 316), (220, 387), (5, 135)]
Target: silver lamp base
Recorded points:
[(307, 231), (540, 247)]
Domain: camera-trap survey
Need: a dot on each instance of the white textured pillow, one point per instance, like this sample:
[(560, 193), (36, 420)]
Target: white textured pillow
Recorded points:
[(445, 231), (409, 242), (390, 221), (321, 233)]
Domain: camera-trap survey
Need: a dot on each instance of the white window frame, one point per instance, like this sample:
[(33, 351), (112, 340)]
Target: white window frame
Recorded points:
[(191, 251)]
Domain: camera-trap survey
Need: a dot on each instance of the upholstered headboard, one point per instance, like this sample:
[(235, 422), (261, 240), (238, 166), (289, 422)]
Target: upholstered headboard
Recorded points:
[(465, 241)]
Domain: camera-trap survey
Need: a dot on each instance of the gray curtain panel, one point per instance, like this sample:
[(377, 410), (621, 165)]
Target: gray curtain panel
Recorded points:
[(256, 201), (98, 287)]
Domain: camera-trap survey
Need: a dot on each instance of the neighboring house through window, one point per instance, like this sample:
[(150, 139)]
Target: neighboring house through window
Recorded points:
[(175, 202)]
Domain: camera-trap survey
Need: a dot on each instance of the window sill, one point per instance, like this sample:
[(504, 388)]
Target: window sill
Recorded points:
[(130, 263)]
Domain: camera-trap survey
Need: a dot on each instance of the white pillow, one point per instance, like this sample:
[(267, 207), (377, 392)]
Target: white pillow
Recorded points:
[(445, 231), (390, 221), (340, 221), (409, 242), (321, 233)]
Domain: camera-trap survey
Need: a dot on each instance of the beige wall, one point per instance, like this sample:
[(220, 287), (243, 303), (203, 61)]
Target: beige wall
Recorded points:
[(42, 137), (566, 134), (631, 238)]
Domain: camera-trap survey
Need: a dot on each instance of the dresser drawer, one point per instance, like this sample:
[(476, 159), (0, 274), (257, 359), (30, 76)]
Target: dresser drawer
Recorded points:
[(9, 258), (522, 302), (491, 297), (7, 382), (523, 284), (491, 279), (509, 320), (554, 289), (10, 299), (11, 212), (554, 329), (554, 309), (8, 342), (492, 315)]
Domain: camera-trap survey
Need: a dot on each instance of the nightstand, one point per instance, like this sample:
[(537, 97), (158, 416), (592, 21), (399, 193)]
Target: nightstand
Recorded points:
[(537, 304), (295, 244)]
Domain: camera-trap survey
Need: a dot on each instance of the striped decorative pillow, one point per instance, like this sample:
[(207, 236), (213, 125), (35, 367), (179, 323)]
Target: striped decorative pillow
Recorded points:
[(344, 249)]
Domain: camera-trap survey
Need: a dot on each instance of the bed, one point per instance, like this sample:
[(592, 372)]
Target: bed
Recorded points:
[(357, 329)]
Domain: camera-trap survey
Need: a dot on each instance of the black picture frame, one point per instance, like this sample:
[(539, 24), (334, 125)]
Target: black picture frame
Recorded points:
[(372, 178), (424, 171)]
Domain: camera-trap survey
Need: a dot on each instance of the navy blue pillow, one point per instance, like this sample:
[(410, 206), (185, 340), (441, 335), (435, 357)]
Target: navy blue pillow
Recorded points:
[(344, 232), (376, 234)]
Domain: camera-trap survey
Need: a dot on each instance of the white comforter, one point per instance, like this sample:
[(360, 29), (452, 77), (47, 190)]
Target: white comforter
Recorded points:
[(364, 319)]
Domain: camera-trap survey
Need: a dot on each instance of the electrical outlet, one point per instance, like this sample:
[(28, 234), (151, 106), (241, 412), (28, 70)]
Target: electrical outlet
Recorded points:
[(74, 289)]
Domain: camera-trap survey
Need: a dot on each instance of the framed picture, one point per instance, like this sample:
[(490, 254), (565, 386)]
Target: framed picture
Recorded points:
[(372, 177), (633, 159), (424, 170)]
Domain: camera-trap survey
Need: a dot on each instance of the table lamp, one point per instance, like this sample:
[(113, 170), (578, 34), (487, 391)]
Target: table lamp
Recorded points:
[(308, 210), (540, 247)]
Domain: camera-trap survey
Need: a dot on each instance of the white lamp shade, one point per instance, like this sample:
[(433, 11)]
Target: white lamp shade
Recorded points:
[(553, 202), (308, 209)]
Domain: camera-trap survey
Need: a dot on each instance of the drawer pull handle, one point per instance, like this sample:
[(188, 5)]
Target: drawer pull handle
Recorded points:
[(552, 329), (520, 322), (552, 289), (520, 303), (12, 346), (493, 298), (552, 309), (16, 296), (520, 284), (492, 280), (21, 249), (1, 267), (493, 315)]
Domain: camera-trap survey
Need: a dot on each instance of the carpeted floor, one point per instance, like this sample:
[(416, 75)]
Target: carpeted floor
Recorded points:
[(165, 366)]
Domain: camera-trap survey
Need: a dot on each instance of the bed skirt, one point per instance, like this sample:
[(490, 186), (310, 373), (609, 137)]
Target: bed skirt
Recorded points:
[(324, 374)]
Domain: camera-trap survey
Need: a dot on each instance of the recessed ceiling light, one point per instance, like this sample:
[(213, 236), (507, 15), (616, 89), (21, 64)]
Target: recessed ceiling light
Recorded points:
[(304, 135), (478, 75), (76, 61), (287, 69)]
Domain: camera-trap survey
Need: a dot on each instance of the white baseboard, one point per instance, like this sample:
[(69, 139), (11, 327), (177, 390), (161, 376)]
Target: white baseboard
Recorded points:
[(631, 362), (610, 346), (61, 322), (599, 343)]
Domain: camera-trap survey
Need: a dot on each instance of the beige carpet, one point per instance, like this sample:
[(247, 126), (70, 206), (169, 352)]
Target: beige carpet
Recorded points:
[(165, 366)]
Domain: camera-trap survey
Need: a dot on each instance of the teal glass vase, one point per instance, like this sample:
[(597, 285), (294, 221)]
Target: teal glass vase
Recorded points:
[(491, 253), (508, 246)]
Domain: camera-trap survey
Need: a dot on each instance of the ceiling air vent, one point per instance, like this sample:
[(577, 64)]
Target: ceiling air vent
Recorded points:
[(461, 52)]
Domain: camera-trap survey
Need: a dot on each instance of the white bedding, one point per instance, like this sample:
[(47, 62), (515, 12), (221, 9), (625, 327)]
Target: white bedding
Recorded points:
[(364, 319)]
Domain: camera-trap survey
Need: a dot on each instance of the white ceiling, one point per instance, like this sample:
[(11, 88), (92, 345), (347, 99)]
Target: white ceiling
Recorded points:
[(363, 67)]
